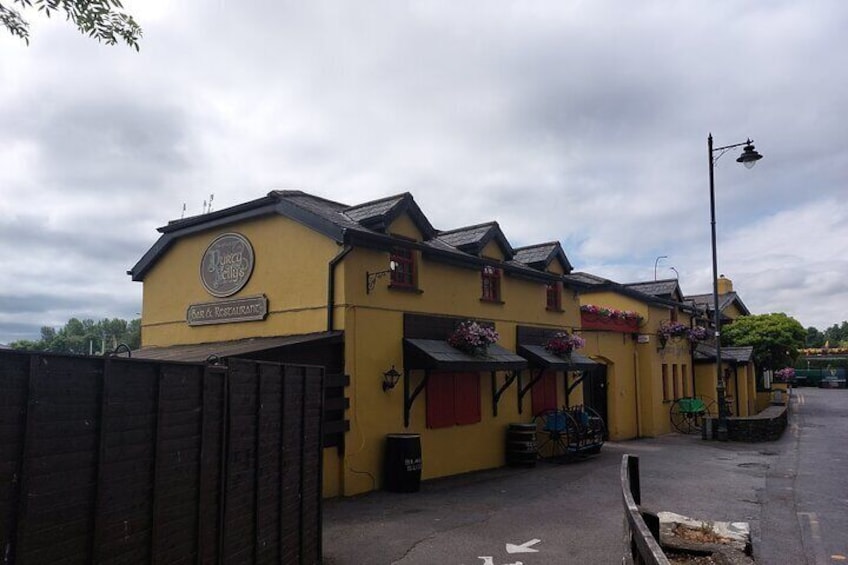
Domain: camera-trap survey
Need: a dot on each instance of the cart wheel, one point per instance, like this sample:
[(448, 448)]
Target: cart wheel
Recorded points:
[(712, 407), (597, 430), (682, 421), (551, 434)]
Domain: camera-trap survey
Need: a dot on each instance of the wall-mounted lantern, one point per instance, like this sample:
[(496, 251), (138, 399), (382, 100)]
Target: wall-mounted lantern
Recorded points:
[(371, 278), (390, 379)]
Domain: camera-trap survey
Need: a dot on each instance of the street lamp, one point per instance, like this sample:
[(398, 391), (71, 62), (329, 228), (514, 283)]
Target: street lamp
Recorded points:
[(656, 262), (749, 158)]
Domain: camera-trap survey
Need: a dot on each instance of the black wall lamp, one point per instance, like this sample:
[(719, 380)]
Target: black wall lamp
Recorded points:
[(390, 379), (371, 278)]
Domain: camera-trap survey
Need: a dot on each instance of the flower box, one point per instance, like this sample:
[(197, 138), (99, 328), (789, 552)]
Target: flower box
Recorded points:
[(593, 321)]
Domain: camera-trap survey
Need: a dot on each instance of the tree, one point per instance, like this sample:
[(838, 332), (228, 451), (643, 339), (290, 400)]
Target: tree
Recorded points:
[(103, 20), (837, 335), (81, 337), (814, 337), (776, 338)]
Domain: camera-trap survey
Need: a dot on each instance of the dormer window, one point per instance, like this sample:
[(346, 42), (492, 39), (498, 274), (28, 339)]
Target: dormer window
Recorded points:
[(554, 296), (491, 281), (404, 274)]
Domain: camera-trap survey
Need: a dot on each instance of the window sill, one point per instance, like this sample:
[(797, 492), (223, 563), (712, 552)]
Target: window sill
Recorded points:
[(487, 301), (408, 289), (557, 310)]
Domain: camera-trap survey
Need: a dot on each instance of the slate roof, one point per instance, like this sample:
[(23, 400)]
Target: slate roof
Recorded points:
[(472, 239), (592, 283), (587, 279), (539, 256), (705, 302), (667, 288), (379, 214), (706, 352), (363, 224), (376, 209)]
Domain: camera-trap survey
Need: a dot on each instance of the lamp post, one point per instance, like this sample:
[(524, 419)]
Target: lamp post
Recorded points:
[(656, 261), (748, 158)]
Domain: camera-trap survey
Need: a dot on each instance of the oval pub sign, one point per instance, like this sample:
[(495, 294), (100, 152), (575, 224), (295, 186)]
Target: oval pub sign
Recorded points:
[(226, 265)]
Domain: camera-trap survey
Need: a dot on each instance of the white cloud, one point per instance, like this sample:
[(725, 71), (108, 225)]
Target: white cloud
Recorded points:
[(579, 121)]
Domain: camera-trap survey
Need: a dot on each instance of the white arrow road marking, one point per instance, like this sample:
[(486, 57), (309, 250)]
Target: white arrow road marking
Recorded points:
[(524, 547), (491, 561)]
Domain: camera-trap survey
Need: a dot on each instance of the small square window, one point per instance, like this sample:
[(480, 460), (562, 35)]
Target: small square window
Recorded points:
[(491, 280)]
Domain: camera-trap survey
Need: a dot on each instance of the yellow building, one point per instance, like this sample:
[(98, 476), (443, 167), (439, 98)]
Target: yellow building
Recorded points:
[(647, 370), (738, 366), (372, 292)]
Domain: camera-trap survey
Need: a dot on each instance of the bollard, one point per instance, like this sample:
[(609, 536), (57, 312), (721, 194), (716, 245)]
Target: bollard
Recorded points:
[(707, 429)]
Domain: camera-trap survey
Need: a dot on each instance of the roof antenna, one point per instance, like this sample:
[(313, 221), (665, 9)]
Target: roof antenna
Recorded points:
[(204, 206), (183, 214), (211, 198)]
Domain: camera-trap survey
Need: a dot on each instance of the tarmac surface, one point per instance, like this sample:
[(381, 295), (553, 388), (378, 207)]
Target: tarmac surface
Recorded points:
[(792, 492)]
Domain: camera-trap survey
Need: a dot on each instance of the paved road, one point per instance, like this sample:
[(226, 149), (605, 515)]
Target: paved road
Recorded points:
[(805, 505), (574, 510)]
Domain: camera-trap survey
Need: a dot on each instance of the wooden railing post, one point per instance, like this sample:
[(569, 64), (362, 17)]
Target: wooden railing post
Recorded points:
[(641, 528)]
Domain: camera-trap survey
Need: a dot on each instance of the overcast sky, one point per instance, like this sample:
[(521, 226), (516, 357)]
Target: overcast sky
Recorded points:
[(585, 122)]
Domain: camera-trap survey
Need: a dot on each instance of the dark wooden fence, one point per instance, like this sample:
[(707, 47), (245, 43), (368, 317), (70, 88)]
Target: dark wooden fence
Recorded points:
[(129, 461), (641, 529)]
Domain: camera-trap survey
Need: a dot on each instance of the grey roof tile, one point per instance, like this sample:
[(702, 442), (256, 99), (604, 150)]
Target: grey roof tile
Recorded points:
[(664, 288), (468, 235), (587, 279), (373, 209), (535, 253)]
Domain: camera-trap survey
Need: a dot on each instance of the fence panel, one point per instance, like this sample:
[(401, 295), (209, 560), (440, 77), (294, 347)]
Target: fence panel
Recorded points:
[(131, 461)]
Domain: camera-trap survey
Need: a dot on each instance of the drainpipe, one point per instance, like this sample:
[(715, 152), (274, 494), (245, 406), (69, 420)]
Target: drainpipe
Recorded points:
[(636, 393), (331, 284), (736, 384)]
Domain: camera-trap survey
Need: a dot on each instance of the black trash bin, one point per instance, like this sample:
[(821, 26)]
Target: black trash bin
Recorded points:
[(521, 445), (402, 464)]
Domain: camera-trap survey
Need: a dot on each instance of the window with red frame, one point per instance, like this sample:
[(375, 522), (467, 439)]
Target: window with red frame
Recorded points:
[(543, 393), (554, 296), (453, 399), (404, 273), (491, 279)]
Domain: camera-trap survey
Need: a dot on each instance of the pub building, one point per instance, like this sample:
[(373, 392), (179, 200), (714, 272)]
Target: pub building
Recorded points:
[(373, 292)]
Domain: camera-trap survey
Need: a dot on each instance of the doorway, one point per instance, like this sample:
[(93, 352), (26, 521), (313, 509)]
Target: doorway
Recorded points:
[(595, 392)]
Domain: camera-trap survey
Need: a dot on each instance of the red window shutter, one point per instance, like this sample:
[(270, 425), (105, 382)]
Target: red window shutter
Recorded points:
[(440, 400), (467, 398), (543, 393)]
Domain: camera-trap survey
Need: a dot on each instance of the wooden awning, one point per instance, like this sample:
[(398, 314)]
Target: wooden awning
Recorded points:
[(540, 357), (437, 355), (196, 353)]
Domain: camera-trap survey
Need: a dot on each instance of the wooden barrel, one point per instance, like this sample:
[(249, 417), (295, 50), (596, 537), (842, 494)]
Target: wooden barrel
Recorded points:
[(521, 445), (402, 463)]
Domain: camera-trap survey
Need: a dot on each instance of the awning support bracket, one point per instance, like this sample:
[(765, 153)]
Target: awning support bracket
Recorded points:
[(524, 390), (577, 381), (496, 396), (409, 399)]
